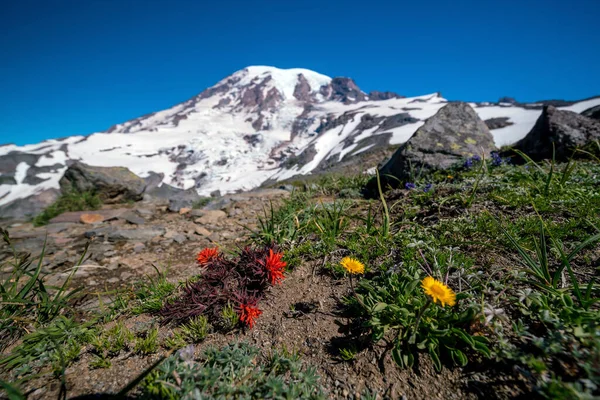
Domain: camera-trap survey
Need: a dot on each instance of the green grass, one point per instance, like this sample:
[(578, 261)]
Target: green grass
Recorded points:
[(63, 337), (69, 201), (152, 293), (26, 301)]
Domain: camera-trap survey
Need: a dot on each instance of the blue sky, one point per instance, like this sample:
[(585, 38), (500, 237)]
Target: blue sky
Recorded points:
[(79, 66)]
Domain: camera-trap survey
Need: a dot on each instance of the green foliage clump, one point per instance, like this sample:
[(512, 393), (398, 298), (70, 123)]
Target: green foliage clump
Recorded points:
[(152, 293), (56, 344), (233, 372), (147, 344), (395, 304), (71, 200), (26, 301), (113, 341)]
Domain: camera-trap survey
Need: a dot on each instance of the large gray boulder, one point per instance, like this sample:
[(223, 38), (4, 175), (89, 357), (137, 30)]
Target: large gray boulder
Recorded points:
[(566, 130), (112, 184), (452, 134)]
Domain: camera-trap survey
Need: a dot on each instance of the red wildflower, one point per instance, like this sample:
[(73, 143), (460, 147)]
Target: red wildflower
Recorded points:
[(248, 313), (274, 267), (207, 255)]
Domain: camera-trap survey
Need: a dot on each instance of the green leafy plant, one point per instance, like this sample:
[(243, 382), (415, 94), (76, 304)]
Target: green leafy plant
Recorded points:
[(70, 200), (395, 305)]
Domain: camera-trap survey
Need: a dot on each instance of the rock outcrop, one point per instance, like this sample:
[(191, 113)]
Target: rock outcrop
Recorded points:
[(561, 129), (454, 133), (112, 184), (593, 113)]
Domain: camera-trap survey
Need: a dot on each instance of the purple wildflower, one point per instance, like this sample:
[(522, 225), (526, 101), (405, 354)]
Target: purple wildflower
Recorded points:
[(409, 185), (468, 163), (427, 187), (476, 158), (496, 159)]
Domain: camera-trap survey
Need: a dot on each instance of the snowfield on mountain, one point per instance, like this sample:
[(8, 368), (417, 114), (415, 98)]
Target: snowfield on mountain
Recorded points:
[(258, 124)]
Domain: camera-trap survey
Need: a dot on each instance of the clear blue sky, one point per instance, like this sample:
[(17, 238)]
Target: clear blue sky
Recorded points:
[(79, 66)]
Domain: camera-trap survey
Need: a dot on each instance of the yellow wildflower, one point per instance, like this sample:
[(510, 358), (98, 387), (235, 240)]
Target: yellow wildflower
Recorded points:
[(352, 265), (438, 291)]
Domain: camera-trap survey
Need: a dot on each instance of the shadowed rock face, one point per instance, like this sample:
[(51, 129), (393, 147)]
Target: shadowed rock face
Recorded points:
[(376, 95), (302, 91), (454, 133), (113, 184), (563, 130), (344, 90), (593, 113)]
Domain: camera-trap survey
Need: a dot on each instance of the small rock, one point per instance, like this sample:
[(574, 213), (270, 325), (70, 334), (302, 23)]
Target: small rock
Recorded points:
[(132, 218), (215, 193), (60, 227), (91, 218), (170, 234), (202, 231), (184, 210), (113, 265), (197, 213), (125, 275), (113, 280), (180, 238), (138, 247), (287, 188), (144, 212), (136, 234), (211, 217)]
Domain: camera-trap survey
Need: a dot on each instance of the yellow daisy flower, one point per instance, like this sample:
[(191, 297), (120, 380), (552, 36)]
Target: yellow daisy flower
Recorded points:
[(438, 291), (352, 265)]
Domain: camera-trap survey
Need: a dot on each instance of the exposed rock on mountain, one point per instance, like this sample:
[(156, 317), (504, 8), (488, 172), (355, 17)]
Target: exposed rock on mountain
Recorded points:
[(593, 113), (112, 184), (454, 133), (563, 130), (497, 123)]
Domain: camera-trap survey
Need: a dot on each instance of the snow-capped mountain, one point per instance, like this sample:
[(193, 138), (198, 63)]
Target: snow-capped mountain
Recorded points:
[(258, 124)]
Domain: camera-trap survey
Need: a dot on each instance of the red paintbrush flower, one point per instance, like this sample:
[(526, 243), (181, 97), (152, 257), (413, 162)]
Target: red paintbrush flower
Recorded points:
[(248, 313), (274, 266), (207, 255)]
